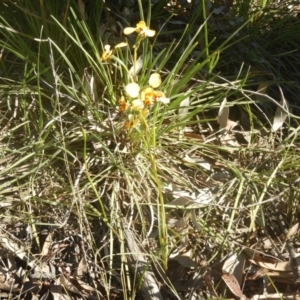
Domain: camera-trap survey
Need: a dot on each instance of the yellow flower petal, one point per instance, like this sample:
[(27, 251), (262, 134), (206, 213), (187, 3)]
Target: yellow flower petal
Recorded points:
[(123, 105), (129, 30), (120, 45), (132, 89), (148, 95), (163, 100), (148, 89), (159, 94), (145, 92), (144, 30), (155, 80), (132, 122), (141, 28), (150, 33), (137, 104), (141, 25)]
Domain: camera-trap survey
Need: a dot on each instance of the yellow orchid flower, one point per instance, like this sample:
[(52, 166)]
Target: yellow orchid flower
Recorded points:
[(147, 95), (141, 28), (123, 105), (132, 122), (107, 53)]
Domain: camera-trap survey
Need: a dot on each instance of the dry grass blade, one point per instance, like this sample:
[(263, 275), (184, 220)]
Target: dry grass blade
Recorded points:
[(142, 268)]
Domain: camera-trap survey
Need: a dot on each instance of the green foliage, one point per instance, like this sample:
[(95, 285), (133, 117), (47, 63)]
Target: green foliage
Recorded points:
[(106, 114)]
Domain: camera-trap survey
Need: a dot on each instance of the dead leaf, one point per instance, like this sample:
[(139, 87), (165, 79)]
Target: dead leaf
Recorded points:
[(280, 266), (57, 296), (293, 231), (258, 274), (223, 114), (82, 268), (85, 286), (11, 244), (232, 284), (183, 108), (187, 200), (47, 244), (257, 256), (56, 290), (228, 139), (9, 287), (280, 115), (223, 117), (178, 224), (200, 162), (234, 264), (68, 285), (185, 260), (89, 84), (134, 70)]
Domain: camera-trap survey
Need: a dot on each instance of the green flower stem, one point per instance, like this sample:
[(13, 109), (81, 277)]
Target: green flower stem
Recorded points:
[(150, 140), (136, 47), (161, 216)]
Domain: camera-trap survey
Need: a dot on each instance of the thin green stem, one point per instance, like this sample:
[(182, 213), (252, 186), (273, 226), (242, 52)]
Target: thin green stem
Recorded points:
[(161, 214)]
